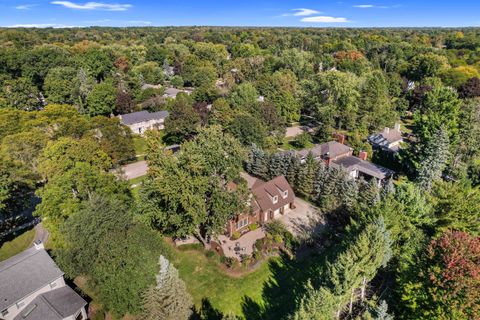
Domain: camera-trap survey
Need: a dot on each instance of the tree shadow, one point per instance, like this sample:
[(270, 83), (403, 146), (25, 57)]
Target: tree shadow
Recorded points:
[(283, 290), (206, 312)]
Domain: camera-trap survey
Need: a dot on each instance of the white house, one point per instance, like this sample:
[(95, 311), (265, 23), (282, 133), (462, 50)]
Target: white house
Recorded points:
[(141, 121), (32, 287)]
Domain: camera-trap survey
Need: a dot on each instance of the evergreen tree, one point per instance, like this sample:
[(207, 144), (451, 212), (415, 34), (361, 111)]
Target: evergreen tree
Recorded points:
[(169, 300), (306, 176), (257, 164), (359, 263), (381, 312), (316, 304), (292, 169), (434, 160)]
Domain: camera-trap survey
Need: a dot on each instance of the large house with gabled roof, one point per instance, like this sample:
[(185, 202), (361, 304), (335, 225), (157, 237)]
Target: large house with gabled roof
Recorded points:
[(32, 287)]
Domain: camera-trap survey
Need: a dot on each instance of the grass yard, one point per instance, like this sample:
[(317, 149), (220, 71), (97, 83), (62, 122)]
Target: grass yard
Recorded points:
[(140, 144), (206, 281), (268, 292), (17, 245)]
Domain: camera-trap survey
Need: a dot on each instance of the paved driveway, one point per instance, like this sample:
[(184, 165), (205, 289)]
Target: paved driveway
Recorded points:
[(304, 220), (135, 170)]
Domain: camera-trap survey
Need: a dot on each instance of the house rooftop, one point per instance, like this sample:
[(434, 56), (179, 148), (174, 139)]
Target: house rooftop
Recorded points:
[(263, 193), (142, 116), (326, 150), (25, 273), (57, 304), (386, 137), (352, 163)]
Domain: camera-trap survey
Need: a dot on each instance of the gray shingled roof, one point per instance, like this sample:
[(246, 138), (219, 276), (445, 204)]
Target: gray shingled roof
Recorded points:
[(25, 273), (141, 116), (326, 150), (385, 137), (351, 163), (56, 304)]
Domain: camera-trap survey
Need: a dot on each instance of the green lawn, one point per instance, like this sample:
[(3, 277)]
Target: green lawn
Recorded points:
[(140, 144), (225, 293), (17, 245), (269, 292)]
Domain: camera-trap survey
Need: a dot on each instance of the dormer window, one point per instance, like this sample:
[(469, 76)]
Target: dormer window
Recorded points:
[(285, 194), (275, 199)]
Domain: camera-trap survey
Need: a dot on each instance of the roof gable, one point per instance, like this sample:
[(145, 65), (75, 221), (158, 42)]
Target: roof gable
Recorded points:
[(274, 188)]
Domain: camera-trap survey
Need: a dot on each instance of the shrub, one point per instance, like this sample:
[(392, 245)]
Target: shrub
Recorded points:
[(257, 255), (228, 261), (210, 253), (277, 238), (176, 81), (236, 235), (259, 244), (191, 246), (253, 226)]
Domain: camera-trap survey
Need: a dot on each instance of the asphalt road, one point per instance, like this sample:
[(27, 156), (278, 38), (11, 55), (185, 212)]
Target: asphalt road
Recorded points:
[(135, 170)]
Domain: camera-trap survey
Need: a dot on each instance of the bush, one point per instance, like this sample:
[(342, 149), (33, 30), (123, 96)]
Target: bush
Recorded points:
[(228, 261), (176, 81), (210, 253), (236, 235), (191, 246), (259, 244), (257, 255), (277, 238), (253, 226)]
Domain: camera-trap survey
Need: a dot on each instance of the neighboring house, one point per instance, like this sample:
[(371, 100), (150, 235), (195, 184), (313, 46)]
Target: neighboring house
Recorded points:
[(389, 139), (172, 92), (359, 167), (328, 151), (338, 155), (141, 121), (269, 200), (32, 287)]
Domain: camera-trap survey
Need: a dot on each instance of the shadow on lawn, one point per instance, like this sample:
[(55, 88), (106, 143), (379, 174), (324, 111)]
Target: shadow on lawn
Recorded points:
[(282, 292), (206, 312)]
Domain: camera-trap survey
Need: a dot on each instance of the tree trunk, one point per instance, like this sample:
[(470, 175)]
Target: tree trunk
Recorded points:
[(350, 307), (204, 241), (364, 284)]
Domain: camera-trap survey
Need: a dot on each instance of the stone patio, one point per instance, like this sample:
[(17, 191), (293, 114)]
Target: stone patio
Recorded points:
[(243, 245)]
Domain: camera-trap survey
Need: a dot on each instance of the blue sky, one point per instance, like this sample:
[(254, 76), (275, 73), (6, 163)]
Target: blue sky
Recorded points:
[(306, 13)]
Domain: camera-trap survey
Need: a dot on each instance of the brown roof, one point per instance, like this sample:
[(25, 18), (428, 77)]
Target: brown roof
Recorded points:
[(265, 192), (331, 149)]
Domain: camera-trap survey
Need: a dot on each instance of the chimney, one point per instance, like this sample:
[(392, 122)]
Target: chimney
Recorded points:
[(397, 126), (363, 155), (38, 245), (340, 137), (386, 130)]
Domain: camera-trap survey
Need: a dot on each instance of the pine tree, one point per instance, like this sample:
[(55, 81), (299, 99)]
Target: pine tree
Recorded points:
[(357, 265), (381, 312), (169, 300), (316, 304), (292, 170), (434, 159), (275, 166), (306, 176), (257, 164)]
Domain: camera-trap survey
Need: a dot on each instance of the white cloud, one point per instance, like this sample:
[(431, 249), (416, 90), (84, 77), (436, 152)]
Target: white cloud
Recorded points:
[(324, 19), (368, 6), (93, 6), (301, 12), (25, 6), (40, 25)]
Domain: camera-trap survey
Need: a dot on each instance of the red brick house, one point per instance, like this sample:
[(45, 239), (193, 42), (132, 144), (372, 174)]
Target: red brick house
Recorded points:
[(269, 200)]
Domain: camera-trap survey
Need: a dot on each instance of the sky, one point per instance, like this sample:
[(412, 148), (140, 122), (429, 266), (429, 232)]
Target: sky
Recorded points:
[(301, 13)]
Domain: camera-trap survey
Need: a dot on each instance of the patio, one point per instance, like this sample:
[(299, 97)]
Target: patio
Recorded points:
[(241, 246)]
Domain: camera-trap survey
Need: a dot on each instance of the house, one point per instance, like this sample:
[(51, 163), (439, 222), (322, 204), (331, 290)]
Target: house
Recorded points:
[(32, 287), (389, 139), (359, 167), (327, 152), (269, 200), (172, 92), (141, 121), (338, 155)]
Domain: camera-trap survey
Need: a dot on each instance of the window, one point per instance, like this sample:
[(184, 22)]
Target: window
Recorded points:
[(20, 304), (4, 312), (79, 316), (53, 285), (242, 223), (285, 194), (275, 199)]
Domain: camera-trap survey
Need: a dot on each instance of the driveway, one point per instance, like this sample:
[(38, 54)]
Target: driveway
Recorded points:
[(304, 220), (135, 170)]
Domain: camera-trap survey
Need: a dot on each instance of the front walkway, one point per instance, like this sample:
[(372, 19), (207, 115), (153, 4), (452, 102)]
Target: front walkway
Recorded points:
[(243, 245)]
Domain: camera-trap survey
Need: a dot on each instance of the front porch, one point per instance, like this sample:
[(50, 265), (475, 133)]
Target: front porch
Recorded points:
[(241, 246)]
